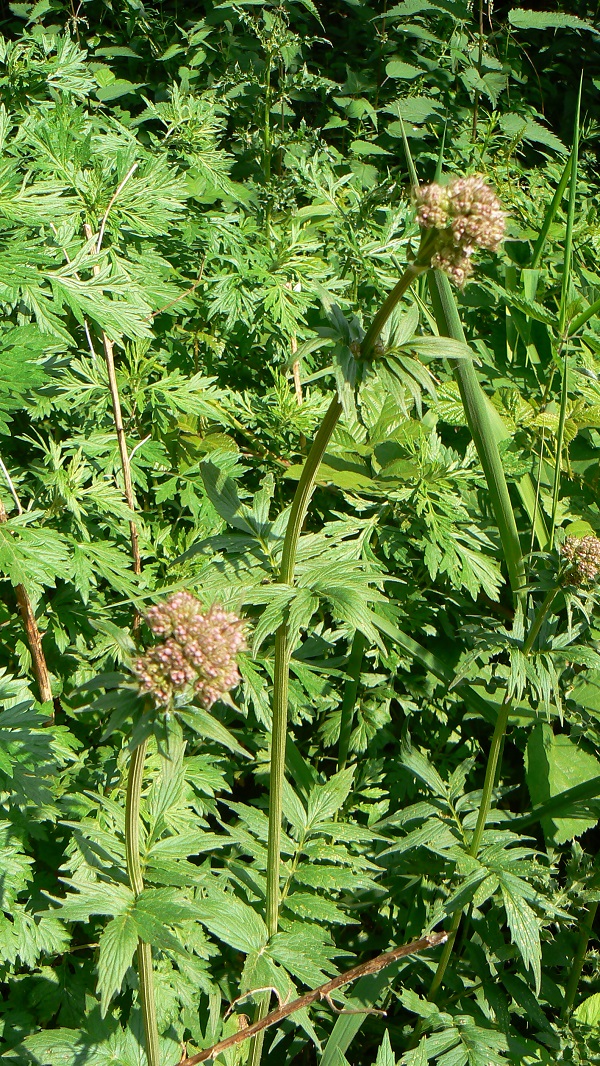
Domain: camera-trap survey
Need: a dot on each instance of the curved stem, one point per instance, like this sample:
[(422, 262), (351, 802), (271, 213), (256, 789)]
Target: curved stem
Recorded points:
[(298, 512), (283, 650), (491, 772), (585, 932), (372, 335), (134, 872), (540, 618)]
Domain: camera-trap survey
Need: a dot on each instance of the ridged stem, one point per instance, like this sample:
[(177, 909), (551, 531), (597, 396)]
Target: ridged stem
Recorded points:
[(134, 872), (283, 650)]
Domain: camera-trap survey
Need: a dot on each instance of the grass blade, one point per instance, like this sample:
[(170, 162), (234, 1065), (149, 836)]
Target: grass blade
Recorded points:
[(562, 320), (551, 213), (485, 440)]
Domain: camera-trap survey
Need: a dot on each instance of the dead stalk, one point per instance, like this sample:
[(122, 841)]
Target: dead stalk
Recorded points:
[(323, 992), (34, 637), (116, 403)]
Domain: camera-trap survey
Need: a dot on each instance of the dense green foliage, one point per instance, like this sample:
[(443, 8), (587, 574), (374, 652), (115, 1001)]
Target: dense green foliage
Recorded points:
[(218, 197)]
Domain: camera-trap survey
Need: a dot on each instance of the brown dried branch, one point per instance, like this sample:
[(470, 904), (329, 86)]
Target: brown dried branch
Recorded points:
[(324, 991), (182, 295), (117, 414), (34, 637)]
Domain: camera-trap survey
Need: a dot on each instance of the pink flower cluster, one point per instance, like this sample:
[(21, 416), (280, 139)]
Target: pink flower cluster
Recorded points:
[(197, 651), (468, 215), (583, 553)]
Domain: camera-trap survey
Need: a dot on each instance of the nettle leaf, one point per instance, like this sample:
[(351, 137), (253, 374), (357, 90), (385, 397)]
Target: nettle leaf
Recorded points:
[(460, 1041), (222, 493), (306, 952), (525, 128), (546, 20), (588, 1011), (420, 766), (385, 1056), (206, 725), (117, 945)]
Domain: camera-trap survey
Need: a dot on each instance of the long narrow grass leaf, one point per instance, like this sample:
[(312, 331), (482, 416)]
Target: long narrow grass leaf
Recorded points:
[(564, 304), (484, 438)]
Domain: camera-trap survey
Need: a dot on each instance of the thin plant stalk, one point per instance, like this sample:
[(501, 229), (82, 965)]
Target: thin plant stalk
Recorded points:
[(481, 39), (32, 632), (109, 359), (134, 872), (491, 774), (300, 504), (551, 213), (585, 932)]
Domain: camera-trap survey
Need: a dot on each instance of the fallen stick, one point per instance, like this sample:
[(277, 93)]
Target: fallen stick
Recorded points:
[(433, 940)]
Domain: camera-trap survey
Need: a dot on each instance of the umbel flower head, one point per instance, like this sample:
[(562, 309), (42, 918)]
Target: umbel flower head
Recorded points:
[(196, 652), (467, 215), (583, 555)]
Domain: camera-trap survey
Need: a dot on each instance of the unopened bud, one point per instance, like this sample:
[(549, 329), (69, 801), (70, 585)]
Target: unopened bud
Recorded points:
[(467, 215), (197, 652), (583, 555)]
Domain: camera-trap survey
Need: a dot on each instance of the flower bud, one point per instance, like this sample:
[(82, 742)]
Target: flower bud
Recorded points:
[(196, 654), (583, 555), (467, 215)]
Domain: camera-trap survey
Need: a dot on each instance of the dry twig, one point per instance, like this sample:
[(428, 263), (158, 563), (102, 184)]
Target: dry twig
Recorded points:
[(433, 940), (116, 401), (32, 632)]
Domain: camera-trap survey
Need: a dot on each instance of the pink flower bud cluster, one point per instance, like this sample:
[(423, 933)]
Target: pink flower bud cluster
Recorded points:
[(468, 215), (583, 553), (196, 653)]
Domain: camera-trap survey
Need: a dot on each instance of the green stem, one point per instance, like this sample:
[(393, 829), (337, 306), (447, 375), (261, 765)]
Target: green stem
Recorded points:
[(491, 771), (283, 650), (482, 817), (581, 319), (585, 932), (267, 122), (353, 669), (134, 872), (298, 512), (420, 265), (479, 68), (551, 213), (560, 442), (540, 618)]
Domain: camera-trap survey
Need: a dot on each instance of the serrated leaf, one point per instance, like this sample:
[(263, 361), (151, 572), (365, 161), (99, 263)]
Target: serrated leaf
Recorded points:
[(326, 800), (522, 922), (117, 945), (548, 20), (396, 68), (233, 922)]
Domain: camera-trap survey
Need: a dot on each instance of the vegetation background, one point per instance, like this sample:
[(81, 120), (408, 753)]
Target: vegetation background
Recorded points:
[(202, 208)]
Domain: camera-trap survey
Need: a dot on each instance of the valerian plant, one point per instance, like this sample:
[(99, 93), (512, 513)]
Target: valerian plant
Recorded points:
[(299, 534)]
